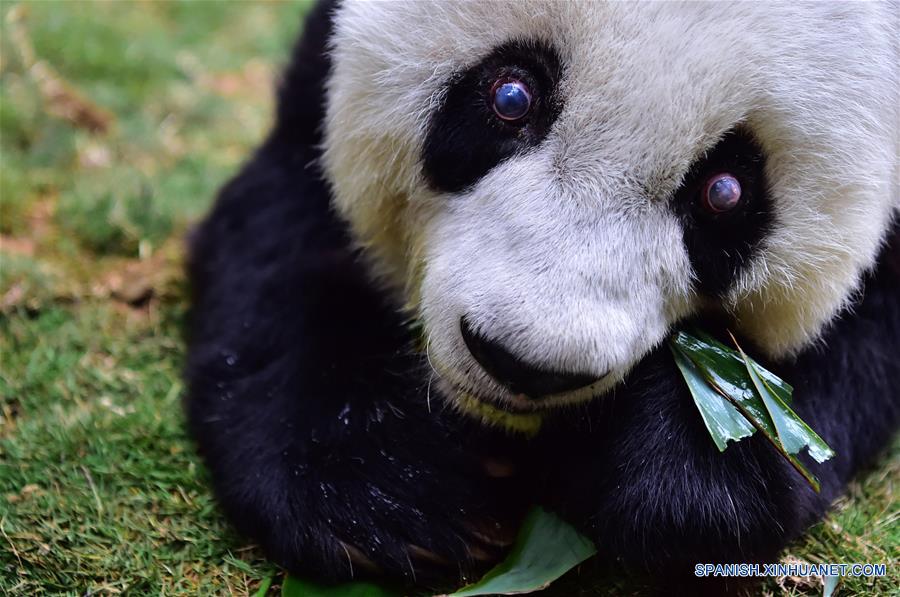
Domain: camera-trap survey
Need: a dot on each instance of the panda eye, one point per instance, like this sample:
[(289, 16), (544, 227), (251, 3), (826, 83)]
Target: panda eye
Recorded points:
[(511, 99), (721, 193)]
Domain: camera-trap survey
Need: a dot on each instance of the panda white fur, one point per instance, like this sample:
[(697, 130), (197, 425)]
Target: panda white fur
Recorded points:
[(548, 246)]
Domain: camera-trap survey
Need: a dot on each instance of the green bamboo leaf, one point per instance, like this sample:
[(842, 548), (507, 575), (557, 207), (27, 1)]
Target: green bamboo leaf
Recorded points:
[(793, 433), (778, 386), (723, 421), (546, 548), (726, 371), (297, 587)]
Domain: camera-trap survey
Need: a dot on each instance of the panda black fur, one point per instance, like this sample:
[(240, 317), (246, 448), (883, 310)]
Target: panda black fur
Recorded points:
[(328, 432)]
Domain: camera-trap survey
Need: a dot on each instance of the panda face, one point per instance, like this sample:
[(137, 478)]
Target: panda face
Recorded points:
[(553, 186)]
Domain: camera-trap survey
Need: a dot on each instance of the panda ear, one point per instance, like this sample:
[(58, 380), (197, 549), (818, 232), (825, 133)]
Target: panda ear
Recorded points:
[(721, 242)]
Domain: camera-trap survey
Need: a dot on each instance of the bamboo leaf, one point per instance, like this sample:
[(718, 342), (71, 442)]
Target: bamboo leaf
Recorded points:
[(546, 548), (758, 395), (725, 372), (781, 388), (723, 421), (793, 433)]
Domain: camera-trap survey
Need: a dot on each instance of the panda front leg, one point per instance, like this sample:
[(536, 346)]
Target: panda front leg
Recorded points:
[(639, 473), (311, 409), (644, 480)]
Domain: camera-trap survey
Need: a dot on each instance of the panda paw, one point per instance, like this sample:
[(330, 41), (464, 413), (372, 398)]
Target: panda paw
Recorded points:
[(432, 510), (647, 483)]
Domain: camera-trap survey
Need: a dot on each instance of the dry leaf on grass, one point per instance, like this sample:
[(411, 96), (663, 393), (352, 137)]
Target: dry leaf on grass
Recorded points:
[(61, 98)]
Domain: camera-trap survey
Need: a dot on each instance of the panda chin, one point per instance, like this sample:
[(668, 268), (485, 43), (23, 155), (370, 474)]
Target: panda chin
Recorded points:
[(518, 413), (491, 415)]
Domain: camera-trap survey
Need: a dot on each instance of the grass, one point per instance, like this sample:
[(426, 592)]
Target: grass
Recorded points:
[(118, 121), (100, 490)]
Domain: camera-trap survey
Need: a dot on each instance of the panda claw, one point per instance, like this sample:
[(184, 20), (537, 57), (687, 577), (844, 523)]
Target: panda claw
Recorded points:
[(492, 533), (480, 554), (420, 553), (358, 559)]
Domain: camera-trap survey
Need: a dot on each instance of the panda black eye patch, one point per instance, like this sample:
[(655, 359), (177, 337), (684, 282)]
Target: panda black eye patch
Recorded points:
[(497, 108), (725, 210)]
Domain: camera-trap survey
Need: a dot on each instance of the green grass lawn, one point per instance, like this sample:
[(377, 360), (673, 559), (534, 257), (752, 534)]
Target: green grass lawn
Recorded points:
[(118, 121)]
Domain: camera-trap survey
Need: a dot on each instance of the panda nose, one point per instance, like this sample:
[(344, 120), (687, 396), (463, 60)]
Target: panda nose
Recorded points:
[(517, 376)]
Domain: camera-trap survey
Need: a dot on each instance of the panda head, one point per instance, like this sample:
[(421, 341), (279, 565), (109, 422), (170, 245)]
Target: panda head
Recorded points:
[(554, 185)]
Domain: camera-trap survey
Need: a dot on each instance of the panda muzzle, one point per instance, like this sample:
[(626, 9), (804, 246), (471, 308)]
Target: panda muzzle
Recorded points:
[(516, 375)]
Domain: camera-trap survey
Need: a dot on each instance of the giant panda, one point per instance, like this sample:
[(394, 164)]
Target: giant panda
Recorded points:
[(469, 216)]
